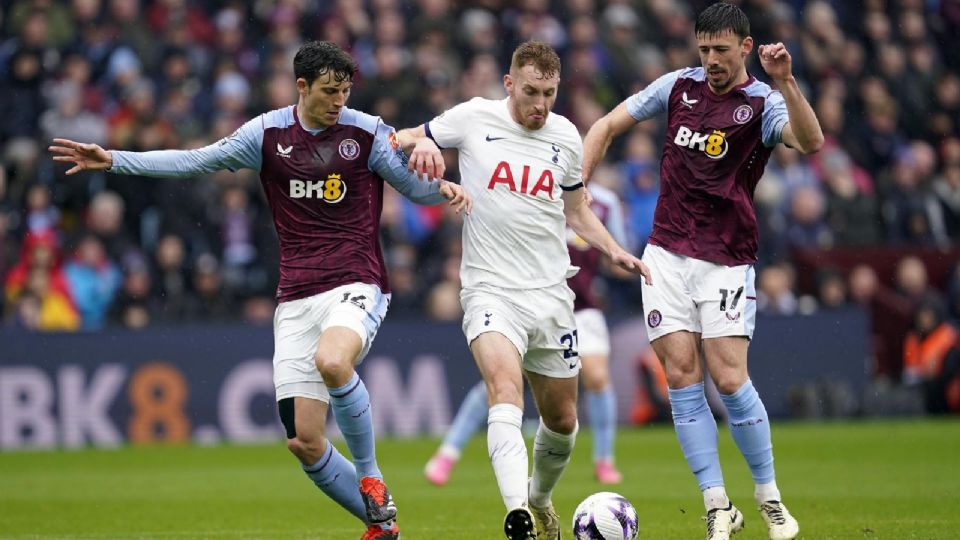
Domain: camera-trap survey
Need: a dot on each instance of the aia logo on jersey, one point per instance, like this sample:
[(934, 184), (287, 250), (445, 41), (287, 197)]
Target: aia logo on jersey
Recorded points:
[(349, 149), (714, 144), (332, 190), (503, 174)]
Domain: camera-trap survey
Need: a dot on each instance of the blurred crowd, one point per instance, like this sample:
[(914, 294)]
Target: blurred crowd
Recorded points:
[(92, 249)]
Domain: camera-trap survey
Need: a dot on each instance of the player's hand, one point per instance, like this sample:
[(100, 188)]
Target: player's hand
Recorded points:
[(776, 61), (587, 197), (84, 156), (427, 159), (632, 264), (459, 199)]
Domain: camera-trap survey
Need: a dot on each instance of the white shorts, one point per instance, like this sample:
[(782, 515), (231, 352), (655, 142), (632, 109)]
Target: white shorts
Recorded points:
[(698, 296), (297, 326), (539, 323), (592, 332)]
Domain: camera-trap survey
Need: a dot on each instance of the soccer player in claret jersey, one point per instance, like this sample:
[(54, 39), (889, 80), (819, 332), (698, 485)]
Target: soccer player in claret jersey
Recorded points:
[(593, 346), (521, 164), (722, 126), (322, 168)]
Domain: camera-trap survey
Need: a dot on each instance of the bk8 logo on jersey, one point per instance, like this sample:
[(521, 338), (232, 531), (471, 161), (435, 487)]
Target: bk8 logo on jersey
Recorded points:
[(605, 516), (332, 190), (714, 144)]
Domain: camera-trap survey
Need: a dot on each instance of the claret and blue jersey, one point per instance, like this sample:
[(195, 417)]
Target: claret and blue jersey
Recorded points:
[(324, 188), (714, 153)]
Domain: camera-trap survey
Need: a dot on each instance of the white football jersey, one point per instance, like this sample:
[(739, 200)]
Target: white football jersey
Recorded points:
[(514, 237)]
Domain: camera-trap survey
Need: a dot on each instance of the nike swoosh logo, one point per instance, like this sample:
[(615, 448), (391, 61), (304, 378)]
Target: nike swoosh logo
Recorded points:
[(489, 138), (361, 413)]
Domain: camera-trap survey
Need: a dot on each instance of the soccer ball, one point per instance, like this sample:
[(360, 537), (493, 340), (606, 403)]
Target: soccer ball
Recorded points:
[(605, 516)]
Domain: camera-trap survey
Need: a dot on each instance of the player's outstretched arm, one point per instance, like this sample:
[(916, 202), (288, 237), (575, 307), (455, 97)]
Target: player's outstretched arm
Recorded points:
[(589, 227), (600, 136), (802, 131), (425, 157), (84, 156)]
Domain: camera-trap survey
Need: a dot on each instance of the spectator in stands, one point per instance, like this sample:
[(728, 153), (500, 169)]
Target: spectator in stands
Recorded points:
[(134, 308), (883, 78), (104, 218), (806, 226), (443, 298), (132, 29), (831, 289), (94, 280), (41, 216), (39, 274), (946, 190), (237, 218), (39, 251), (641, 184), (210, 302), (931, 353), (69, 116), (171, 278), (20, 107), (852, 212), (945, 118), (908, 202), (775, 294)]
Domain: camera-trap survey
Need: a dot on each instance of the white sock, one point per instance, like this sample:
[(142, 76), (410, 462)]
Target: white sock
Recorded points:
[(449, 451), (508, 453), (551, 453), (715, 497), (766, 492)]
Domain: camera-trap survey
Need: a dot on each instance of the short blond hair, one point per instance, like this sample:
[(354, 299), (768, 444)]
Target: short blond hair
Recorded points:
[(538, 54)]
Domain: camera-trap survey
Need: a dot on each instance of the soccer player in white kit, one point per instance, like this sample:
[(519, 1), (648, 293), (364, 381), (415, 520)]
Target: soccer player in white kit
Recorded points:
[(593, 338), (521, 165)]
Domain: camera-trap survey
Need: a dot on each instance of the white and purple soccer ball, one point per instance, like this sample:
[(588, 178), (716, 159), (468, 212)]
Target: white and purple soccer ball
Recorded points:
[(605, 516)]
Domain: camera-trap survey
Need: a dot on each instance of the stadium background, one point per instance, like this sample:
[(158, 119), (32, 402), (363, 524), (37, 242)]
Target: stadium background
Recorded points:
[(871, 224), (139, 310)]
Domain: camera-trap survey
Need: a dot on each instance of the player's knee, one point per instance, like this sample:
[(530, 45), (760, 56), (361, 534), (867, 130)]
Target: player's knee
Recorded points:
[(308, 452), (564, 422), (728, 385), (308, 447), (332, 365), (561, 419), (681, 375), (595, 380)]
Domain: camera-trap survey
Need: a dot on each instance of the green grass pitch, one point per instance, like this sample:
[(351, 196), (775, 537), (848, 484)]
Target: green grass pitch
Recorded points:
[(871, 480)]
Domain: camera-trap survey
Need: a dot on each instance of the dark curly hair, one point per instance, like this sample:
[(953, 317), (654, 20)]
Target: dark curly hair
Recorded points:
[(721, 17), (316, 58)]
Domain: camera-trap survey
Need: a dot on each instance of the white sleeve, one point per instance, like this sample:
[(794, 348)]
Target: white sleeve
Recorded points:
[(449, 129)]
